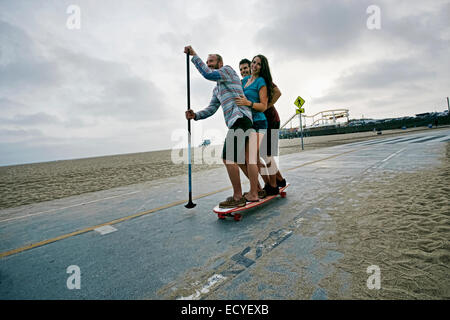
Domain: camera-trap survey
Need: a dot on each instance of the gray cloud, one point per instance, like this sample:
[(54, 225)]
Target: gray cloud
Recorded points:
[(385, 74), (408, 71), (11, 107), (428, 30), (21, 63), (195, 33), (326, 29), (19, 135), (114, 90), (315, 29), (387, 87), (40, 118)]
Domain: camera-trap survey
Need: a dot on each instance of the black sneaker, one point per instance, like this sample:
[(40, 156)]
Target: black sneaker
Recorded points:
[(281, 184), (270, 191)]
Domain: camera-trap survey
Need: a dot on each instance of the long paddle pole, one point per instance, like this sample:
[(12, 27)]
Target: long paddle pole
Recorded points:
[(190, 204)]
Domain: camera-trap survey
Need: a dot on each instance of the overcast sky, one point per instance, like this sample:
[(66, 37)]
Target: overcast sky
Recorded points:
[(118, 83)]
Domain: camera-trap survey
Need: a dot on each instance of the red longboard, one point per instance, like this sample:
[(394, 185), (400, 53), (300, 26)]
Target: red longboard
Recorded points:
[(236, 212)]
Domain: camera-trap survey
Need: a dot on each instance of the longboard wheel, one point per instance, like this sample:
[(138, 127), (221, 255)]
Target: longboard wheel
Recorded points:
[(283, 194), (237, 217), (221, 216)]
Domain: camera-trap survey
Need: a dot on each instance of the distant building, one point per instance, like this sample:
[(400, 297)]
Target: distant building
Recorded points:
[(426, 114)]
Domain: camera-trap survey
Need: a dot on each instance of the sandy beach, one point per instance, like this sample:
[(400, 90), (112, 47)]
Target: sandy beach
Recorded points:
[(400, 223), (32, 183)]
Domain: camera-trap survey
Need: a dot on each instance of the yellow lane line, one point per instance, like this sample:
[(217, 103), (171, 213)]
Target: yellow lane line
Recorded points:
[(78, 232), (173, 204)]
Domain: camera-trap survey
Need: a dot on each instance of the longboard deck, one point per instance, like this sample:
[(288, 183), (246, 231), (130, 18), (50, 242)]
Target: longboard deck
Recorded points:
[(222, 213)]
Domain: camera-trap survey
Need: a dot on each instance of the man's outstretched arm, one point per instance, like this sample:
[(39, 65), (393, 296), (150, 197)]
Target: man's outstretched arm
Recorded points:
[(205, 71)]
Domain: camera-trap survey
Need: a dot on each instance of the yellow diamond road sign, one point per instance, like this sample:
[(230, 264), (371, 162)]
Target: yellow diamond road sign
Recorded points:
[(299, 102)]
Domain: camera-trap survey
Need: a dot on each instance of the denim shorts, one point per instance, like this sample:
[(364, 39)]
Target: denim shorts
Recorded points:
[(260, 125), (271, 139), (237, 140)]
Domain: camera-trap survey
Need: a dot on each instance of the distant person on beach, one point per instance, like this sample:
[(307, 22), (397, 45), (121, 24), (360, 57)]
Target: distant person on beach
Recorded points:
[(236, 116), (274, 179)]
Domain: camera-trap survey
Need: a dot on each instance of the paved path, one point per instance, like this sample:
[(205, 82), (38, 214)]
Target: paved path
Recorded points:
[(160, 250)]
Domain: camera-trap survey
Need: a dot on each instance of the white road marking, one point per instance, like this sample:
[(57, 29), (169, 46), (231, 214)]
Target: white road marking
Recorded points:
[(393, 155), (212, 281), (441, 139), (105, 229)]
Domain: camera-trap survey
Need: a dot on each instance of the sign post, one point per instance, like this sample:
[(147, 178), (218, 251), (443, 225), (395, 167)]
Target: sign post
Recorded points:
[(299, 103), (448, 106)]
